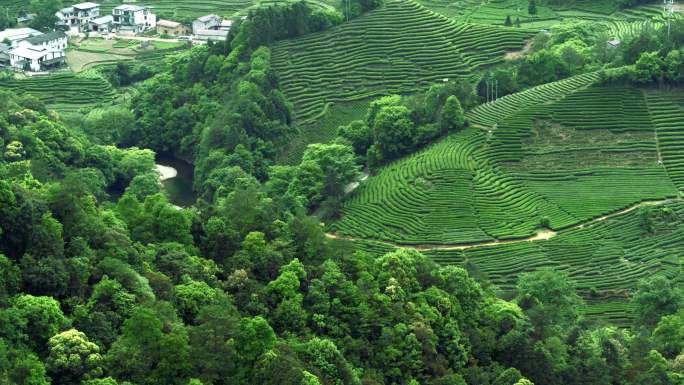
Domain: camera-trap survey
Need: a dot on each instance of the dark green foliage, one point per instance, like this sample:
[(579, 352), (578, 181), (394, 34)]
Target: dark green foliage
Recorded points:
[(394, 125), (532, 7), (654, 299), (150, 350), (355, 8), (245, 287), (45, 10)]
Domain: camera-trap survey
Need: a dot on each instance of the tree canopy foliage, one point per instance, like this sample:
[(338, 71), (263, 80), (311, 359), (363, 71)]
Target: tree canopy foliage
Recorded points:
[(104, 282)]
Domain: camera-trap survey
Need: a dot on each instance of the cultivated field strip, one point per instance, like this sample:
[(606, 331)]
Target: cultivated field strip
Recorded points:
[(480, 184), (606, 259), (191, 8), (400, 48), (668, 119), (426, 198), (605, 142), (489, 114), (65, 92)]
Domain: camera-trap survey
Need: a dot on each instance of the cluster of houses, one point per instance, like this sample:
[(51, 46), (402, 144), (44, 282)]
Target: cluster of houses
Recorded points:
[(30, 50), (26, 49), (127, 19), (130, 19)]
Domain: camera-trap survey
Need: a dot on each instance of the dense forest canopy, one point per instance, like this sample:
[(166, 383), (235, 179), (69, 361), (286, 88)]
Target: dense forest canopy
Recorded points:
[(103, 281)]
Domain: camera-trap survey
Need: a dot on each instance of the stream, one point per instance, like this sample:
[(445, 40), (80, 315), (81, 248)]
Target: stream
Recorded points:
[(176, 176)]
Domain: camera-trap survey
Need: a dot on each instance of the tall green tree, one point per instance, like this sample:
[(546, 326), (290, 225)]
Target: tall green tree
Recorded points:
[(393, 133), (549, 299), (655, 297), (453, 117), (325, 171), (73, 358), (150, 351), (45, 10)]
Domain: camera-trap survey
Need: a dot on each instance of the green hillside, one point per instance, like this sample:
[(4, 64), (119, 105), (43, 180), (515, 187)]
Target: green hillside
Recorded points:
[(525, 160), (65, 92), (605, 259), (400, 48), (190, 8)]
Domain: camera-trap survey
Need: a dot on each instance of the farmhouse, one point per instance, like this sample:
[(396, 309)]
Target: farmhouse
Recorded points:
[(78, 16), (133, 19), (210, 27), (103, 25), (614, 43), (172, 28), (39, 52), (15, 35), (25, 19), (206, 23)]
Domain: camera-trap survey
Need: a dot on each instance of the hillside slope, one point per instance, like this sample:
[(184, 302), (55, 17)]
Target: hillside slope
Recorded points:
[(544, 156), (400, 48)]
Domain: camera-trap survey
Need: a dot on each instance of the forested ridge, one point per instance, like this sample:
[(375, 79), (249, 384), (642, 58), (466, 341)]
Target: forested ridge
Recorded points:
[(104, 281)]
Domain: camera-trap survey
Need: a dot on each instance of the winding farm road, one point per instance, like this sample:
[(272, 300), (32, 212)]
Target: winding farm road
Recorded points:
[(541, 235)]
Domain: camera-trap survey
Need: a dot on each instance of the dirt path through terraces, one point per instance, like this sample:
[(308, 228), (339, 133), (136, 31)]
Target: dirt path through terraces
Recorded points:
[(541, 235)]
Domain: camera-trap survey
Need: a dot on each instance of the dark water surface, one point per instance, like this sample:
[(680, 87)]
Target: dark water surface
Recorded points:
[(179, 188)]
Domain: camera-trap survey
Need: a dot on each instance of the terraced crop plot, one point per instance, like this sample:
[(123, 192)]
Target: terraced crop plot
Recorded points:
[(668, 119), (65, 92), (606, 259), (590, 152), (191, 8), (619, 23), (323, 129), (400, 48)]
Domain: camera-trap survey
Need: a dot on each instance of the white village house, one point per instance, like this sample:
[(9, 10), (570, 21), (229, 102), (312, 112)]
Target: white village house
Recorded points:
[(211, 27), (133, 19), (15, 35), (39, 53), (78, 16), (102, 25)]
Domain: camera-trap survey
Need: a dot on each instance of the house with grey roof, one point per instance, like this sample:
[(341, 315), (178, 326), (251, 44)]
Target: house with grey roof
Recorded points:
[(133, 19), (40, 52), (78, 16), (210, 27), (14, 35), (103, 24)]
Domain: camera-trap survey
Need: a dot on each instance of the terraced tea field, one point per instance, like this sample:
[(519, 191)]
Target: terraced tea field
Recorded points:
[(584, 161), (606, 258), (619, 23), (95, 52), (191, 8), (66, 92), (323, 128), (525, 160), (400, 48)]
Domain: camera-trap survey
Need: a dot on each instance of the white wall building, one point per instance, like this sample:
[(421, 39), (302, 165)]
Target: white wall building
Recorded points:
[(133, 19), (40, 52), (15, 35), (78, 15), (102, 25), (208, 22), (210, 27)]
